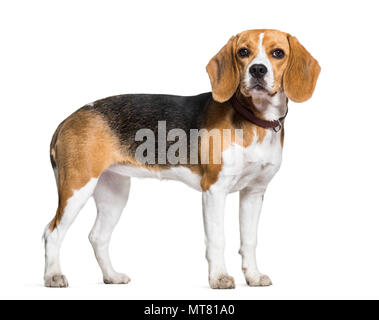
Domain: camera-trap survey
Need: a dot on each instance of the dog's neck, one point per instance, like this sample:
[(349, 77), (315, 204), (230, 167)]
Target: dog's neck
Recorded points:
[(266, 106)]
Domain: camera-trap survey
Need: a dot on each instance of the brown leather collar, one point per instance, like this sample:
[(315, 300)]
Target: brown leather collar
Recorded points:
[(249, 115)]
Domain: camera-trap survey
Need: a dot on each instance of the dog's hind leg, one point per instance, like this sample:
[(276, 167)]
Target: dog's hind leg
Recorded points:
[(111, 195), (81, 149), (68, 209)]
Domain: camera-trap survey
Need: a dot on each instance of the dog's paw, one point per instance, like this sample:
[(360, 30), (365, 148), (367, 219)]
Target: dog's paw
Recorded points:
[(223, 281), (258, 280), (117, 278), (56, 281)]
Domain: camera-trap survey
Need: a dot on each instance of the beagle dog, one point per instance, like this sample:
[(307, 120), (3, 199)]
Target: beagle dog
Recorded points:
[(97, 149)]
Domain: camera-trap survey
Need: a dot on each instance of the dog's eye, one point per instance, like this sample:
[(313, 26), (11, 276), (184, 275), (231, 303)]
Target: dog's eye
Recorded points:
[(277, 53), (243, 53)]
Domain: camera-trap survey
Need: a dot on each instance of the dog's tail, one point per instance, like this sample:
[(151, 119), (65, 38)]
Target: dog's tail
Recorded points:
[(53, 146), (54, 151), (53, 160)]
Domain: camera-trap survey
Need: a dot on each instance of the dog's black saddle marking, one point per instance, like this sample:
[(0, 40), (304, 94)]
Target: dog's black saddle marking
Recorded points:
[(128, 113)]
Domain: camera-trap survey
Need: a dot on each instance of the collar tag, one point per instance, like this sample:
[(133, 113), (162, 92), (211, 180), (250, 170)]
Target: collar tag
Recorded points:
[(278, 127)]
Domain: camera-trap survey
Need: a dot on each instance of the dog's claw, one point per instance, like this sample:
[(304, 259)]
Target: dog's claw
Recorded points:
[(223, 281), (56, 281), (258, 280), (117, 278)]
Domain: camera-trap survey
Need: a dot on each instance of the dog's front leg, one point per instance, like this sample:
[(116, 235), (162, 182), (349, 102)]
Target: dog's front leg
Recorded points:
[(250, 209), (213, 213)]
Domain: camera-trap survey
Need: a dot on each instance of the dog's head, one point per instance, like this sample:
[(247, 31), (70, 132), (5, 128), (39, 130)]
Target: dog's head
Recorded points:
[(262, 63)]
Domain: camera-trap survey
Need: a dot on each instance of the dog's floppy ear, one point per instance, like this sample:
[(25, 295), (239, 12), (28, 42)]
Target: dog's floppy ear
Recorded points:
[(223, 72), (301, 75)]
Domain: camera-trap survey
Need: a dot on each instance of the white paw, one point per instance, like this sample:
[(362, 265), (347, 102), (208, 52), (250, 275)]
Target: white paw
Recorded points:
[(117, 278), (257, 280), (56, 281), (223, 281)]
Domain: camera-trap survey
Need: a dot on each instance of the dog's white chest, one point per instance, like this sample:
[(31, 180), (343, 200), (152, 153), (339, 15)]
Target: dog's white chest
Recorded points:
[(253, 166)]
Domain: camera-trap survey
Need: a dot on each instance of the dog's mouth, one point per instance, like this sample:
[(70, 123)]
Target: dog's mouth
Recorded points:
[(259, 87), (258, 90), (255, 85)]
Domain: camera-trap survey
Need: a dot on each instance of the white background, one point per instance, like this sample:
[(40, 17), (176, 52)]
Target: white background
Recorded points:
[(318, 236)]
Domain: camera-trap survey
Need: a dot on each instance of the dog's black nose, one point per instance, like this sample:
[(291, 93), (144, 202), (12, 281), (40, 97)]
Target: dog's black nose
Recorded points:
[(258, 71)]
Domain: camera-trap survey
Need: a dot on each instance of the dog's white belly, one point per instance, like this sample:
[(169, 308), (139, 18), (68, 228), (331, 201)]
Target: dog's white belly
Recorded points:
[(178, 173)]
